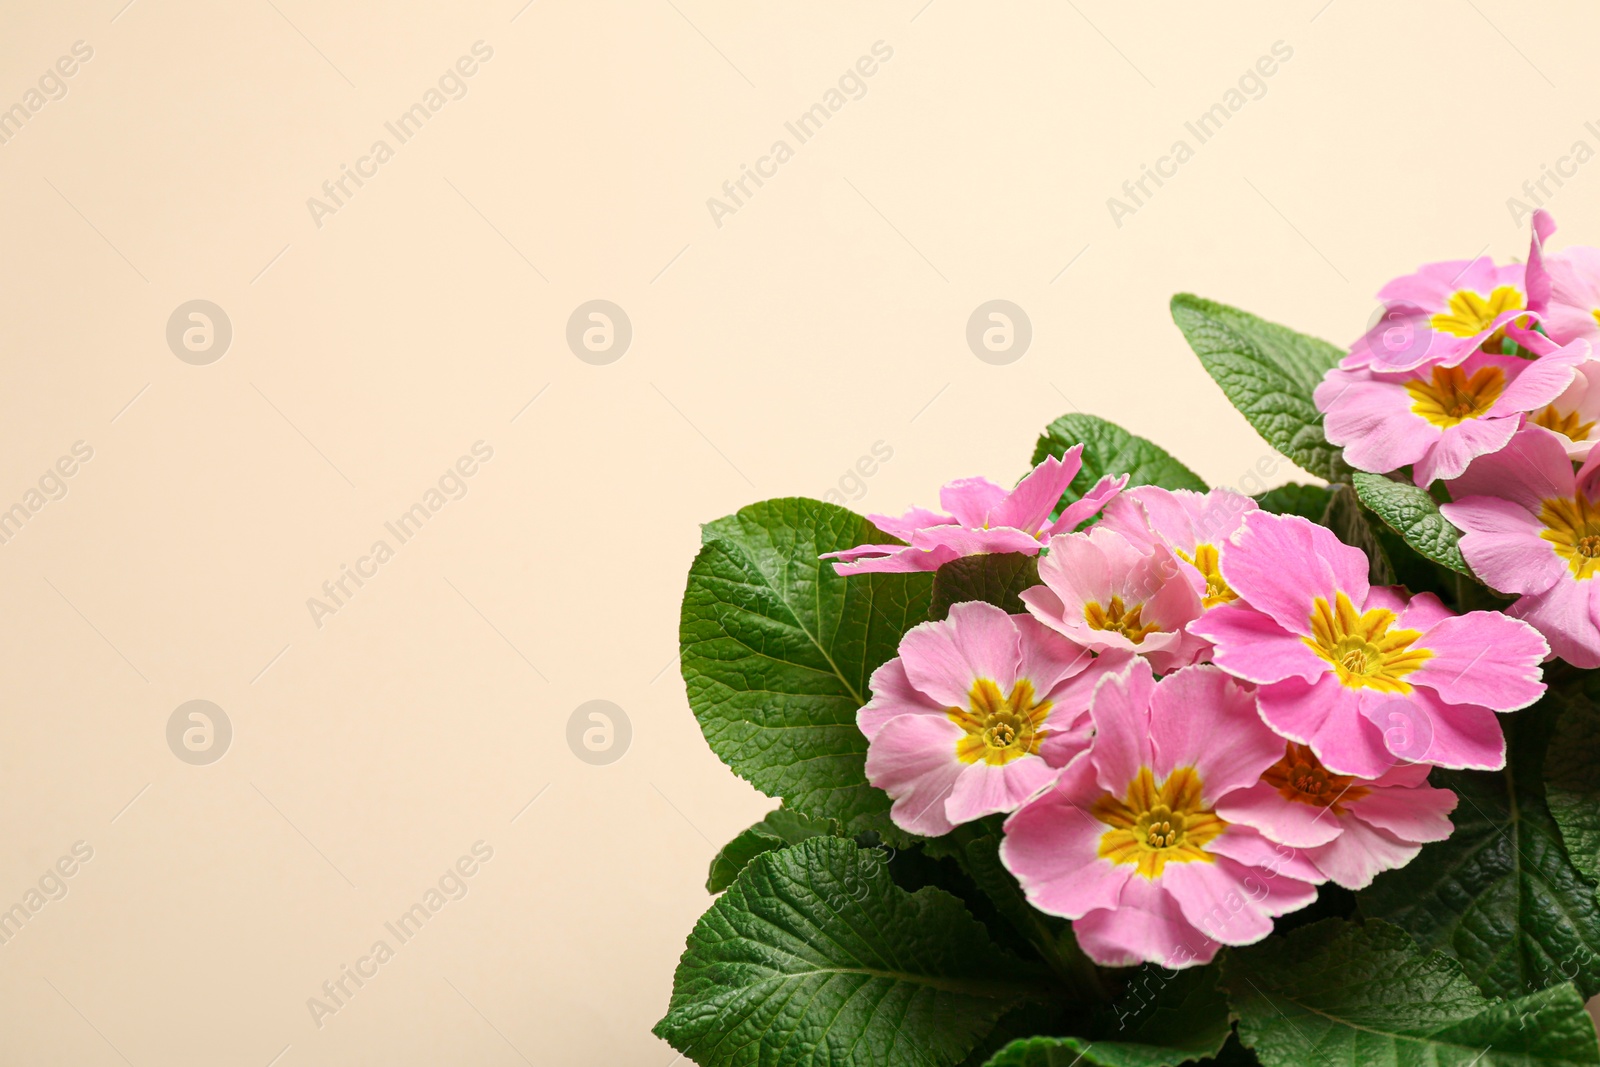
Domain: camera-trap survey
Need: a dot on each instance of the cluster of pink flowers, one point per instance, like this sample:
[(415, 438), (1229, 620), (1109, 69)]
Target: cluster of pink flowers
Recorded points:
[(1487, 378), (1205, 712)]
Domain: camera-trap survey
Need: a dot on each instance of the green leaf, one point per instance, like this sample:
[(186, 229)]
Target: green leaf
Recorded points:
[(1346, 518), (1338, 995), (778, 651), (815, 956), (780, 829), (1268, 372), (1306, 501), (994, 578), (1109, 449), (1572, 782), (1500, 894), (1167, 1018), (1414, 515)]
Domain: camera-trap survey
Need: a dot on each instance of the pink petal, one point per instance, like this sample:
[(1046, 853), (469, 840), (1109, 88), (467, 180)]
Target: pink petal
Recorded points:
[(1121, 712), (1500, 541), (913, 759), (1255, 647), (1361, 853), (1270, 859), (1063, 744), (1088, 505), (1285, 821), (1214, 900), (1372, 418), (988, 789), (894, 695), (1483, 658), (1538, 277), (894, 559), (970, 499), (977, 640), (1459, 445), (1146, 926), (904, 526), (1532, 467), (1458, 736), (1201, 718), (1327, 718), (1420, 612), (1420, 814), (1051, 845), (1028, 506), (1279, 563), (1565, 614), (966, 541)]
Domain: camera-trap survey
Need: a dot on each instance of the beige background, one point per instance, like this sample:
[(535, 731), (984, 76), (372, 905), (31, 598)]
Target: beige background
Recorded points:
[(824, 315)]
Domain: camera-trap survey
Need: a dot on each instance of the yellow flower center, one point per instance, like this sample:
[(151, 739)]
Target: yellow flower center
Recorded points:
[(1450, 398), (1364, 651), (1471, 313), (1119, 618), (1155, 825), (1301, 777), (1206, 560), (1573, 527), (999, 728), (1570, 424)]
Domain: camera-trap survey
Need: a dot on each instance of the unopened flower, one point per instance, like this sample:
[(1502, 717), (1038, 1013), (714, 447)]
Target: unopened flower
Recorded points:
[(974, 716), (984, 517), (1351, 829), (1331, 653), (1108, 594), (1531, 528), (1129, 842)]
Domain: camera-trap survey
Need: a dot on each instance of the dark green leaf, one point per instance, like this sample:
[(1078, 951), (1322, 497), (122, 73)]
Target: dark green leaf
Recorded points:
[(1338, 995), (1109, 449), (1572, 781), (778, 651), (994, 578), (1167, 1018), (815, 956), (1306, 501), (1268, 372), (1500, 894), (779, 829), (1414, 515)]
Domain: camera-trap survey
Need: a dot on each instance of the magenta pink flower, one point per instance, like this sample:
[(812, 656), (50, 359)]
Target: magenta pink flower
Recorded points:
[(1112, 596), (1440, 417), (1358, 673), (1130, 842), (974, 716), (984, 517), (1194, 526), (1441, 315), (1350, 829), (1531, 528)]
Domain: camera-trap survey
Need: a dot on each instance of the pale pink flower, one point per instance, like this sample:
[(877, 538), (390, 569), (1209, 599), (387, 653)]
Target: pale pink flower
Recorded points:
[(1129, 842), (1113, 596), (1337, 659), (974, 716), (984, 517), (1441, 315)]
